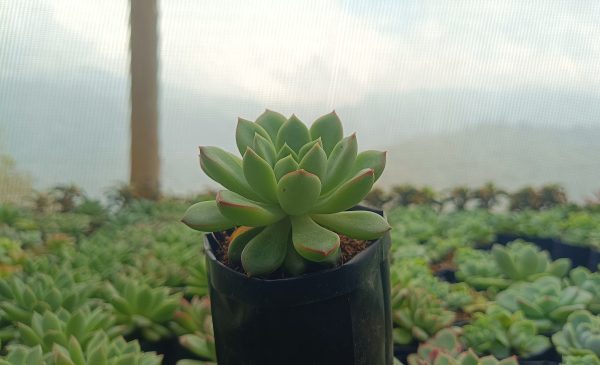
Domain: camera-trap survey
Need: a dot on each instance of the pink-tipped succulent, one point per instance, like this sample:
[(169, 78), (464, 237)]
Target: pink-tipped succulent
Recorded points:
[(292, 190)]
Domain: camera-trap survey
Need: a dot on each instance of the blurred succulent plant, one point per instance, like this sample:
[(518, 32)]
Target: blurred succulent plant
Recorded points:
[(581, 360), (579, 336), (49, 328), (590, 282), (140, 307), (417, 315), (523, 261), (40, 292), (446, 348), (193, 323), (500, 333), (545, 301), (100, 349), (292, 189), (478, 269)]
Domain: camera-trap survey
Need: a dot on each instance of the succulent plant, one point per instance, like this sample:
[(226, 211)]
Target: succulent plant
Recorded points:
[(579, 336), (193, 323), (523, 261), (445, 348), (545, 301), (40, 292), (581, 360), (500, 333), (292, 187), (478, 269), (590, 282), (100, 349), (49, 328), (138, 306), (417, 315)]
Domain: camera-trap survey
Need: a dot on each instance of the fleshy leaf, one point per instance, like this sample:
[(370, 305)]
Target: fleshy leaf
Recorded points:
[(370, 160), (265, 149), (307, 147), (245, 212), (294, 133), (315, 161), (356, 224), (260, 176), (266, 252), (244, 134), (340, 163), (298, 191), (348, 195), (271, 122), (312, 241), (205, 216), (329, 129), (294, 264), (286, 151), (238, 241), (226, 169), (285, 166)]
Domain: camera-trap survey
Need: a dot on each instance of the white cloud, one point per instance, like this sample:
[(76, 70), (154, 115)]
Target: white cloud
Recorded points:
[(318, 52)]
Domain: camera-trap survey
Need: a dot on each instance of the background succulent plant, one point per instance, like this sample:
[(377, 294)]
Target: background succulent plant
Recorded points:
[(590, 282), (446, 348), (580, 335), (292, 187), (417, 315), (501, 333), (545, 301)]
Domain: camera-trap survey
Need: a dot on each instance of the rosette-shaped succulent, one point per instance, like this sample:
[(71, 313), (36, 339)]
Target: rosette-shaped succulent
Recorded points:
[(290, 191), (445, 348), (579, 336), (545, 301)]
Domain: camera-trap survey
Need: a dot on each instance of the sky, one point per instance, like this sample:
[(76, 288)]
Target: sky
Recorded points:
[(390, 68)]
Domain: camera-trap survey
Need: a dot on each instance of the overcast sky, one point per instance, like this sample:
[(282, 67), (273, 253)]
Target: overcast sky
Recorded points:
[(390, 68)]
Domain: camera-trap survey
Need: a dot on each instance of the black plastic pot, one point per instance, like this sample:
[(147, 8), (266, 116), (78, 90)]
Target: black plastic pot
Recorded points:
[(504, 238), (401, 352), (447, 275), (594, 260), (548, 357), (579, 256), (546, 244), (340, 316)]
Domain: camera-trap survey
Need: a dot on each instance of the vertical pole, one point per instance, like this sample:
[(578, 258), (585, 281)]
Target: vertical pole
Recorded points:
[(145, 161)]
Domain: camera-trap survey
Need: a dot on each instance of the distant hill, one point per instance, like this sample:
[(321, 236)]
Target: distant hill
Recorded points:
[(511, 156)]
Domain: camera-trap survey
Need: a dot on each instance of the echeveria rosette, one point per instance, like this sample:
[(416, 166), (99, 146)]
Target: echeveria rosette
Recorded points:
[(290, 192), (580, 335)]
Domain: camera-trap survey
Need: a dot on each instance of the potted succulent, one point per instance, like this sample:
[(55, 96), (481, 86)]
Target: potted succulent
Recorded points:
[(298, 272)]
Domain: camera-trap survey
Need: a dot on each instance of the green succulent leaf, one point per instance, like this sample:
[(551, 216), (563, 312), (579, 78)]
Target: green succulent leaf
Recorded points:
[(312, 241), (245, 212), (266, 252), (260, 176), (205, 216), (285, 166), (286, 151), (340, 163), (356, 224), (244, 134), (298, 192), (265, 149), (505, 261), (271, 122), (370, 160), (239, 242), (294, 264), (307, 148), (226, 169), (348, 195), (315, 161), (293, 133), (329, 128)]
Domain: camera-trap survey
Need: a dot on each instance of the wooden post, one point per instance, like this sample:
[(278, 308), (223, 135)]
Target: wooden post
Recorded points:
[(145, 161)]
